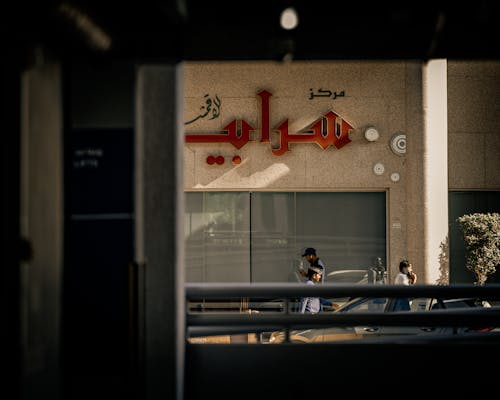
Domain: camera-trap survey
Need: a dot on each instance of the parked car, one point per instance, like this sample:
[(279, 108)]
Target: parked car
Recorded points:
[(347, 276), (276, 305), (383, 305), (337, 276)]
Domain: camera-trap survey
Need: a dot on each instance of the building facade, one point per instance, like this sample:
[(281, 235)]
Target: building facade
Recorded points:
[(96, 138), (366, 161)]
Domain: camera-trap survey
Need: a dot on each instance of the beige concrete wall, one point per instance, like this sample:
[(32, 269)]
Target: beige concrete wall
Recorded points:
[(473, 130), (386, 95)]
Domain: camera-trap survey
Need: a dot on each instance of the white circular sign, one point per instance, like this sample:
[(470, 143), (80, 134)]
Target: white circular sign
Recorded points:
[(371, 134), (378, 169), (395, 177), (398, 144)]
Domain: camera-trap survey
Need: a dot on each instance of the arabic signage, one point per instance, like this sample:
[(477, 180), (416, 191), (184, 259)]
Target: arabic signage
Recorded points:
[(211, 107), (328, 130), (325, 93)]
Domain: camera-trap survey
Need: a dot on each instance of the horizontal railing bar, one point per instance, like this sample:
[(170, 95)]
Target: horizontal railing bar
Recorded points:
[(456, 317), (290, 290), (196, 331), (483, 338)]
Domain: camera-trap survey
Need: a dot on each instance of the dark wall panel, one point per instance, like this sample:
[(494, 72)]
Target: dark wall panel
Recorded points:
[(99, 228)]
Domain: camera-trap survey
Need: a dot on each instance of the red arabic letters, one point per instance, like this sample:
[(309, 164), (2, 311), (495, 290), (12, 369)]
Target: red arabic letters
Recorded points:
[(283, 148), (326, 131), (343, 137), (264, 112), (231, 135), (329, 130), (337, 132)]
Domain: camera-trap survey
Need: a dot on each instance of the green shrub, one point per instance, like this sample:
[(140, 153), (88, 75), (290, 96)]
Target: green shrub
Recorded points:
[(481, 234)]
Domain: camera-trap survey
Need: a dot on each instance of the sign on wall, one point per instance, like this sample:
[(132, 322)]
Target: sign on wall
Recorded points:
[(327, 130)]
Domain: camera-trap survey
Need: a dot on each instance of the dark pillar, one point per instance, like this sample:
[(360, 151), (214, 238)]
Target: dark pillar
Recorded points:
[(9, 227), (159, 205)]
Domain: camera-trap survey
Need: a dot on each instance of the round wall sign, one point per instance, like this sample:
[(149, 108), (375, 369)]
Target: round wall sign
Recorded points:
[(395, 177), (371, 134), (378, 169), (398, 144)]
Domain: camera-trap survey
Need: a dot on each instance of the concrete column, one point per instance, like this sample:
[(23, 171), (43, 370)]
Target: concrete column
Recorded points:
[(42, 224), (159, 206), (415, 213), (435, 171)]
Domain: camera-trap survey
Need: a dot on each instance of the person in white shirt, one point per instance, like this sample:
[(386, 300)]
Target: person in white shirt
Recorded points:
[(311, 304), (406, 276), (312, 258)]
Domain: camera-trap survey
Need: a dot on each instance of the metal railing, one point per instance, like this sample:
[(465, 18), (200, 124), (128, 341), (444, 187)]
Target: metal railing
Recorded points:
[(225, 323)]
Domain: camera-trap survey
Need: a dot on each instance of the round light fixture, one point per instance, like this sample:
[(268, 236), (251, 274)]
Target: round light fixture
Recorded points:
[(378, 169), (371, 134), (289, 18), (395, 177)]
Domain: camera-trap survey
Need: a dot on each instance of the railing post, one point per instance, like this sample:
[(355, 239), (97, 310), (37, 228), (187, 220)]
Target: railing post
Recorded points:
[(287, 312)]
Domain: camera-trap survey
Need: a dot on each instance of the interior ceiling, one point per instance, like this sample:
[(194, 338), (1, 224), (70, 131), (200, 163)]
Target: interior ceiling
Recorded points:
[(249, 30)]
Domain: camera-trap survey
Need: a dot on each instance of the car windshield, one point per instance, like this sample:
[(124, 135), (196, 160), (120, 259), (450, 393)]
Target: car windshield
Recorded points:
[(387, 304), (347, 276), (457, 303), (376, 304)]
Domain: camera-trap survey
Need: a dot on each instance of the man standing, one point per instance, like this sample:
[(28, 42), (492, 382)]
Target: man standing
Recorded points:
[(314, 261), (315, 264)]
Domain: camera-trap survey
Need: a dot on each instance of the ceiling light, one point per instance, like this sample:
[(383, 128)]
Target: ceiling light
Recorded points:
[(93, 33), (289, 18)]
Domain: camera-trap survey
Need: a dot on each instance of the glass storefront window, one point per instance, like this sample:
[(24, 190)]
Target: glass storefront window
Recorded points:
[(259, 236)]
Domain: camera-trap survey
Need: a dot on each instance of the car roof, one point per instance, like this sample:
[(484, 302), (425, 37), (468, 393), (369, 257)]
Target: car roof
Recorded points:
[(463, 301), (347, 275)]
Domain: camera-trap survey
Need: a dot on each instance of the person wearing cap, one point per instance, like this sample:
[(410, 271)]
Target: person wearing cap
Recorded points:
[(311, 256), (311, 304), (314, 261)]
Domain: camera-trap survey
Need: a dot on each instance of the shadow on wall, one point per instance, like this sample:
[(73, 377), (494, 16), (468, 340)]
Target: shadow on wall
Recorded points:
[(444, 263)]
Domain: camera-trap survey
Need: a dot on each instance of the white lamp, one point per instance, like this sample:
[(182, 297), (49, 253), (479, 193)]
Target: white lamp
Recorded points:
[(289, 18), (378, 169), (371, 134)]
